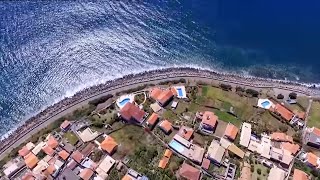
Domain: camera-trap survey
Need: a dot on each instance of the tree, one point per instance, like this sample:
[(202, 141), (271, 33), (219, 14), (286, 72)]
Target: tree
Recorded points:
[(259, 171), (226, 87), (252, 168), (283, 128), (252, 92), (240, 89), (280, 96), (293, 95)]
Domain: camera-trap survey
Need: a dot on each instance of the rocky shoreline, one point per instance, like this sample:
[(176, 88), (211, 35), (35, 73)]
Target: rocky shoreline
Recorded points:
[(162, 74)]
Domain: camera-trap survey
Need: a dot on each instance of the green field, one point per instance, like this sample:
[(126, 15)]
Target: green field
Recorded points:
[(314, 115), (71, 137)]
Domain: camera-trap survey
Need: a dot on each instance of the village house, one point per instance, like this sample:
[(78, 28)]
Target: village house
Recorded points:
[(231, 132), (215, 153), (311, 160), (205, 163), (189, 172), (245, 135), (131, 113), (281, 137), (276, 174), (152, 120), (282, 156), (109, 145), (284, 112), (105, 166), (299, 175), (186, 132), (166, 126), (165, 159), (312, 137), (134, 175), (163, 97), (87, 135), (209, 122), (65, 126)]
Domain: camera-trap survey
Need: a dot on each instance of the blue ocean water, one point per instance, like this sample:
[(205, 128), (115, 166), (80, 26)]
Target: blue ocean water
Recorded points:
[(52, 49)]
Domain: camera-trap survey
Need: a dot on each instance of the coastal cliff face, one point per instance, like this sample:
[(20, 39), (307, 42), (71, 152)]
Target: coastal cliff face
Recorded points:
[(130, 81)]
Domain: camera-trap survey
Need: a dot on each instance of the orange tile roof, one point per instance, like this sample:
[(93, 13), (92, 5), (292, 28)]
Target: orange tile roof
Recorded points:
[(77, 156), (86, 174), (31, 160), (153, 119), (131, 111), (278, 136), (312, 159), (205, 163), (316, 131), (65, 124), (48, 150), (64, 154), (166, 126), (50, 169), (209, 118), (52, 142), (231, 131), (186, 132), (109, 144), (23, 151), (284, 112), (162, 96), (126, 177), (292, 148), (299, 175), (163, 163), (168, 153), (189, 172)]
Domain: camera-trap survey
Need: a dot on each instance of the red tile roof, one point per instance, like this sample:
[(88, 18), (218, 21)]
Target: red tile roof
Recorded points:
[(86, 174), (168, 153), (23, 151), (186, 132), (284, 112), (50, 169), (299, 175), (77, 156), (109, 144), (152, 119), (205, 163), (48, 150), (52, 142), (316, 131), (31, 160), (209, 118), (231, 131), (64, 154), (28, 176), (278, 136), (132, 112), (162, 96), (166, 126), (189, 172), (65, 124), (312, 159), (292, 148)]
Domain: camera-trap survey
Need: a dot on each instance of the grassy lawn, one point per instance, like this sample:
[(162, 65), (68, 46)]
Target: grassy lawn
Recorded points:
[(303, 101), (314, 116), (224, 116), (182, 106), (71, 137), (169, 115)]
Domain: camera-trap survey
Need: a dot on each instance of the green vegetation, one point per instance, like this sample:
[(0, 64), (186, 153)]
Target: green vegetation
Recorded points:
[(260, 171), (314, 118), (99, 100), (224, 116), (71, 137)]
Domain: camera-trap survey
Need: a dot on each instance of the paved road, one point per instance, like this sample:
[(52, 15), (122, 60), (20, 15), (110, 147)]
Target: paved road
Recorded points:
[(85, 101)]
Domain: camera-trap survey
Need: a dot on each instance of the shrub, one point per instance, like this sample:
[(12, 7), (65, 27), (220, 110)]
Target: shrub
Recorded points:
[(293, 95), (102, 99), (226, 87), (283, 128), (252, 168), (280, 96), (259, 171), (252, 92), (240, 89)]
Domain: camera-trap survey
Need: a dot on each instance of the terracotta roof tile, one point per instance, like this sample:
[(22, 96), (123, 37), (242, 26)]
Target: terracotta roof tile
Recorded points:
[(168, 153), (28, 176), (162, 96), (186, 132), (153, 119), (231, 131), (86, 174), (64, 154), (299, 175), (50, 169), (166, 126), (65, 124), (163, 163), (278, 136), (48, 150), (109, 144), (209, 118), (132, 112), (283, 111), (23, 151), (126, 177), (312, 159), (292, 148), (77, 156), (31, 160), (205, 163), (316, 131), (52, 142), (189, 172)]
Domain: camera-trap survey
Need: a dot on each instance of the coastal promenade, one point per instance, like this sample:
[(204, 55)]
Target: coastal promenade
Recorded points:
[(68, 105)]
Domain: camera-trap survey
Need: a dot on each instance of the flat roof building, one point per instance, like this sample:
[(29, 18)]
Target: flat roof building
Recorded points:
[(237, 151), (209, 122), (276, 174), (104, 167), (215, 152), (88, 135), (185, 132), (245, 134), (312, 137)]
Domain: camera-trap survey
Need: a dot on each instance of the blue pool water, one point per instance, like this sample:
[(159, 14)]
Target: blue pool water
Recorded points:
[(180, 93), (176, 146), (265, 104), (124, 101)]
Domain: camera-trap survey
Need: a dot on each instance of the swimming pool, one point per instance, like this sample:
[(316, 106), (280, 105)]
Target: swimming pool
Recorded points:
[(176, 146), (124, 101), (265, 104), (180, 93)]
